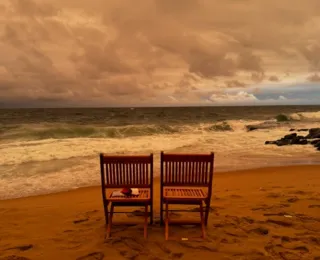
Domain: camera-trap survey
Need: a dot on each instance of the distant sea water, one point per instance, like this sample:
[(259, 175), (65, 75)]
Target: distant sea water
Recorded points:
[(49, 150)]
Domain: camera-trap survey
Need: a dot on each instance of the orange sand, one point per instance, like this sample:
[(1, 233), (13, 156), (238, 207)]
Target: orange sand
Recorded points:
[(249, 220)]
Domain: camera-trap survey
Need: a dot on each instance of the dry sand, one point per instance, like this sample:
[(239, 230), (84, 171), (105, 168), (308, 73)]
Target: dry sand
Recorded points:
[(249, 220)]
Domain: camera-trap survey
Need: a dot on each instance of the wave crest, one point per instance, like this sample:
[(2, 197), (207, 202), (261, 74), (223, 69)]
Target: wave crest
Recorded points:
[(71, 131)]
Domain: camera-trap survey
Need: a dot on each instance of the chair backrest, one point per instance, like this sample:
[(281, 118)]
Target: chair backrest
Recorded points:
[(187, 169), (131, 171)]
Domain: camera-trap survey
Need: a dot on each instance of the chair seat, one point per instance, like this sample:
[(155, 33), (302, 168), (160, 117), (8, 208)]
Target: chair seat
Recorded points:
[(184, 194), (144, 196)]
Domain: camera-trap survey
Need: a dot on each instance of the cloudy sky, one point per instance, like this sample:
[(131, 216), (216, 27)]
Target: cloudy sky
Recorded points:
[(159, 52)]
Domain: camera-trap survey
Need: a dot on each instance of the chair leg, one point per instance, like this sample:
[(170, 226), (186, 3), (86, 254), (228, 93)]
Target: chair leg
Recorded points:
[(105, 206), (207, 205), (161, 212), (151, 213), (146, 221), (110, 221), (202, 221), (167, 222)]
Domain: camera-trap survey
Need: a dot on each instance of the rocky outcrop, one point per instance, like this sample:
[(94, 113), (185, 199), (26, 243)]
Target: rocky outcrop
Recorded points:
[(264, 125), (312, 138), (313, 133)]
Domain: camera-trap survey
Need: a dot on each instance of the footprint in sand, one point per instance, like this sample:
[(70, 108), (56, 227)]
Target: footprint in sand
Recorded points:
[(314, 206), (85, 216), (167, 251), (136, 213), (280, 222), (292, 200), (14, 257), (228, 240), (260, 231), (278, 252), (77, 221), (265, 207), (300, 192), (235, 196), (211, 209), (92, 256), (129, 254), (288, 255), (22, 247), (274, 195)]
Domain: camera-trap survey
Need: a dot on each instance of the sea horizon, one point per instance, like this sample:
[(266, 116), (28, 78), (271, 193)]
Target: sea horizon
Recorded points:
[(158, 106)]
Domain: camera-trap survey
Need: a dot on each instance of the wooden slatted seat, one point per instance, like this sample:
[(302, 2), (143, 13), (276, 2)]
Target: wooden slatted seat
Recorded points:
[(186, 179), (144, 195), (184, 194), (119, 172)]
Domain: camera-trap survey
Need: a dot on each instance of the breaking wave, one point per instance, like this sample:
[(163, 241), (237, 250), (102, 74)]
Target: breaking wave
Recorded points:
[(54, 131)]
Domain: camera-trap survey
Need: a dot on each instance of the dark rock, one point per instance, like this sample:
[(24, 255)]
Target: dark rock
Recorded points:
[(315, 141), (282, 142), (264, 125), (313, 133), (292, 129), (303, 130), (299, 141), (251, 128), (290, 136), (270, 142), (294, 139)]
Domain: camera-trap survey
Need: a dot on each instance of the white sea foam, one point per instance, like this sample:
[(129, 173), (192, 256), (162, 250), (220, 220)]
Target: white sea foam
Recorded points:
[(37, 167), (315, 116)]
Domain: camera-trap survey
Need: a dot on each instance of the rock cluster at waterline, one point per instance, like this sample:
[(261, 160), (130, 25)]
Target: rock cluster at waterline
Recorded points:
[(313, 138)]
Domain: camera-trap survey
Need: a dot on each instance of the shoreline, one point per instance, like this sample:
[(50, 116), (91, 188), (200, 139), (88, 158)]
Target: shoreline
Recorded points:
[(52, 165), (266, 213), (157, 178), (88, 173)]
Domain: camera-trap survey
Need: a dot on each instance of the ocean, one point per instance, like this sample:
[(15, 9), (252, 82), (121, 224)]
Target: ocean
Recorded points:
[(49, 150)]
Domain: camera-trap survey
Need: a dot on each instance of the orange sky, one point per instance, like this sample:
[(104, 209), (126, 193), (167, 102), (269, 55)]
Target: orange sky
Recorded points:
[(125, 52)]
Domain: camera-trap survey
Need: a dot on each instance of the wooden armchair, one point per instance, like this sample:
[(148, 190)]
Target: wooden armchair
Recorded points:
[(186, 179), (119, 172)]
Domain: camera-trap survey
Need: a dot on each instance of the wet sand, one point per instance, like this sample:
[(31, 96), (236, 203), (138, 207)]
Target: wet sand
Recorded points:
[(268, 213)]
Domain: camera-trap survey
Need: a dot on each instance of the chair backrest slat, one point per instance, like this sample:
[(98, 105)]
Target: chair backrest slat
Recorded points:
[(126, 171), (187, 169)]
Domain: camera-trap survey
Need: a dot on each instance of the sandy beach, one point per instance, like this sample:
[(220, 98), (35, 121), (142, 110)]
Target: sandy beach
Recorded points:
[(268, 213)]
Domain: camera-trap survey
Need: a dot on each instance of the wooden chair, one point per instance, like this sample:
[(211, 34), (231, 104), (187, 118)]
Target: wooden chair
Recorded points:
[(119, 172), (186, 179)]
